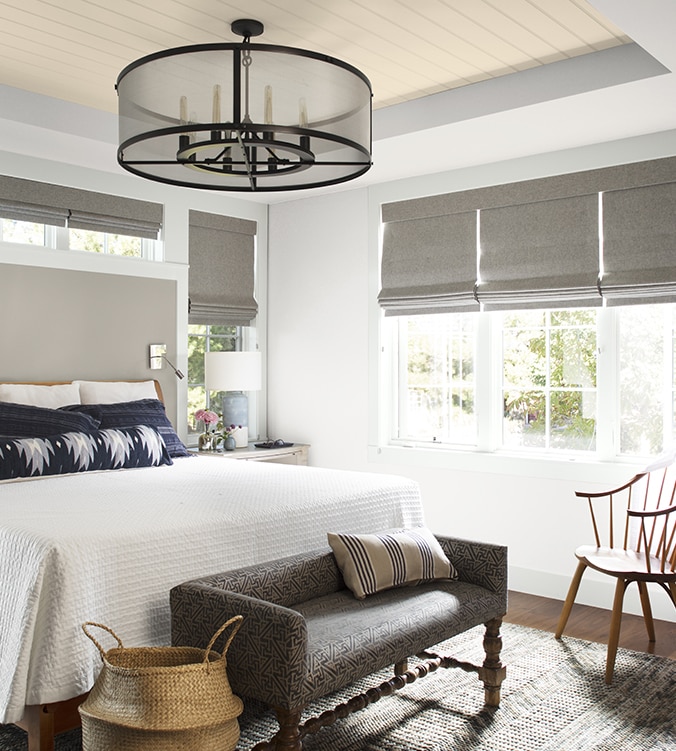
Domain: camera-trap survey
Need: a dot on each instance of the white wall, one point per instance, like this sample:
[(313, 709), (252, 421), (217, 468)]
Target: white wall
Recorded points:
[(324, 374)]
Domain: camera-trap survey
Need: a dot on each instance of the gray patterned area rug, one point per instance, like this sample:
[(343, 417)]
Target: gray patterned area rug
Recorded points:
[(554, 699)]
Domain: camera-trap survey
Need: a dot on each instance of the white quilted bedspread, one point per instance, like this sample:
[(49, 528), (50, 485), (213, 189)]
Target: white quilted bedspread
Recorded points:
[(108, 546)]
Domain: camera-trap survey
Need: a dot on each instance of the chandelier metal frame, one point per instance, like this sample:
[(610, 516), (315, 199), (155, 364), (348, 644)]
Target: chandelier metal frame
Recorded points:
[(247, 151)]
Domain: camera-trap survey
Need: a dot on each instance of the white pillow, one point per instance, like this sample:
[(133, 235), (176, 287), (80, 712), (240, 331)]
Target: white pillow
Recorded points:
[(112, 392), (52, 397)]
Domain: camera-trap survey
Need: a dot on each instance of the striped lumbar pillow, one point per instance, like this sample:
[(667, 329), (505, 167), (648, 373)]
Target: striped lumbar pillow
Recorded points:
[(373, 562)]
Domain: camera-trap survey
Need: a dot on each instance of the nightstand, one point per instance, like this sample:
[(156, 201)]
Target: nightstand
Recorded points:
[(296, 454)]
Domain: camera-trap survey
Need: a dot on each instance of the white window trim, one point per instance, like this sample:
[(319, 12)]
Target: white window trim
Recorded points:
[(487, 456)]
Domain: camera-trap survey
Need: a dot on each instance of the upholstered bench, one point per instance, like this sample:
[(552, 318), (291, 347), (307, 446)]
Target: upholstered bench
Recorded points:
[(305, 634)]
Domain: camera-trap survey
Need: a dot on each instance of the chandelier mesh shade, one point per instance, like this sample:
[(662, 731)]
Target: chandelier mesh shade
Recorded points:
[(244, 117)]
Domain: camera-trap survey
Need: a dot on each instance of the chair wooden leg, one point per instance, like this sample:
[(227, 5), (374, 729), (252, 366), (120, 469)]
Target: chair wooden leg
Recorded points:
[(570, 598), (614, 633), (647, 610), (672, 590)]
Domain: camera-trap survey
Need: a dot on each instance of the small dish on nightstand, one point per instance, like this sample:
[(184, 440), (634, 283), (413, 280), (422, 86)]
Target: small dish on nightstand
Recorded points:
[(278, 444)]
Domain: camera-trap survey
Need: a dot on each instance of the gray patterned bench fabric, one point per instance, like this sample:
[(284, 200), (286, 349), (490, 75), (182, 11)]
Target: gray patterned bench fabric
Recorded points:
[(305, 635)]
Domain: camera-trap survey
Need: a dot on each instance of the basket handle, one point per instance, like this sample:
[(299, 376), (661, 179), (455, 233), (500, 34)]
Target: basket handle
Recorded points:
[(105, 628), (237, 619)]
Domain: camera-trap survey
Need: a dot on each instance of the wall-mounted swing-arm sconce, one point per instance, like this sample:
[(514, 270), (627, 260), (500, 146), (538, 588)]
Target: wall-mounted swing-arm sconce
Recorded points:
[(158, 356)]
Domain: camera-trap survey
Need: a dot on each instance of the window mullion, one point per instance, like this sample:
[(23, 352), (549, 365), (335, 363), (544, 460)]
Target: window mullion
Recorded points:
[(488, 396), (607, 385), (667, 376)]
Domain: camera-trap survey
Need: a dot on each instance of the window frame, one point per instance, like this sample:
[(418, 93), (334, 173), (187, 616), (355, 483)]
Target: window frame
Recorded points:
[(58, 238), (244, 340), (489, 454)]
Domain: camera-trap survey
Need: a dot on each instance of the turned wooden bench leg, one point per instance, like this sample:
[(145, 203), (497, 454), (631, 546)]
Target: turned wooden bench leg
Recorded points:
[(289, 736), (401, 667), (492, 672)]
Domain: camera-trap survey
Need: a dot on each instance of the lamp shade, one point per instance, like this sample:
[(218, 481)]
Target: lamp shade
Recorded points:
[(232, 371)]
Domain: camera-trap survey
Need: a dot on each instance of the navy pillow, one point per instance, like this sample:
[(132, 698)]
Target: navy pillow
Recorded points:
[(141, 412), (26, 421), (120, 448)]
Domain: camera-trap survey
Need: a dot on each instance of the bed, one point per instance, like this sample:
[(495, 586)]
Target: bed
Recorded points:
[(107, 545)]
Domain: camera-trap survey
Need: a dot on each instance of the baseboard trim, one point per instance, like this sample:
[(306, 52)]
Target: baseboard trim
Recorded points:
[(595, 592)]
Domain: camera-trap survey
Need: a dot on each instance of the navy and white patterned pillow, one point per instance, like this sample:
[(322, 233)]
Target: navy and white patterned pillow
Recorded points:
[(112, 448), (27, 421), (141, 412)]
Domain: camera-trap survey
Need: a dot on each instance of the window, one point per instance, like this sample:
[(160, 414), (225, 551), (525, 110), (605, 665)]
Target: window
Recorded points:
[(16, 231), (201, 339), (61, 238), (549, 379), (646, 378), (102, 242), (593, 381), (436, 378)]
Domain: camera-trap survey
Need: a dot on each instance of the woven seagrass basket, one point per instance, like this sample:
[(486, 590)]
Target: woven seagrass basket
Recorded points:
[(161, 698)]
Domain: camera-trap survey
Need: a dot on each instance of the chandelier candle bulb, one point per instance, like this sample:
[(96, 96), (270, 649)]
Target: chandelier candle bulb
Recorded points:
[(216, 107), (183, 139), (216, 111), (268, 105), (302, 112)]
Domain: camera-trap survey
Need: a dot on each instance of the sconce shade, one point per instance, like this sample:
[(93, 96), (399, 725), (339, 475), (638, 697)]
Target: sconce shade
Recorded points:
[(244, 117), (232, 371)]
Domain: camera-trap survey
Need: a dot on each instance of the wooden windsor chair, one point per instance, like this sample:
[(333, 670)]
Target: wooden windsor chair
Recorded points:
[(640, 545)]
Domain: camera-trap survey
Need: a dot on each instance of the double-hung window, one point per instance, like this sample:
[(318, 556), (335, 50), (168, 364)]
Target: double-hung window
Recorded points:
[(589, 382), (202, 339)]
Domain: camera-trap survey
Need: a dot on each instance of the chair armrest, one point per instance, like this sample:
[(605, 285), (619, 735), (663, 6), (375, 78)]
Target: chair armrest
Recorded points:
[(652, 512), (481, 563), (266, 659)]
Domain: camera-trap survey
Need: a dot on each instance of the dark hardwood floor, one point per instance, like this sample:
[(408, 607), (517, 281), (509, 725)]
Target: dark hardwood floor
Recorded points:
[(591, 624)]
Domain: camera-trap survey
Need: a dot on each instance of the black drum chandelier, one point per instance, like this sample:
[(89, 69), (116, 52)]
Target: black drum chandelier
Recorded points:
[(244, 117)]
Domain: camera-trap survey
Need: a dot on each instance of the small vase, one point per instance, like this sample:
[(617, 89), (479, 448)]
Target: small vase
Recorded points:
[(207, 442), (229, 443)]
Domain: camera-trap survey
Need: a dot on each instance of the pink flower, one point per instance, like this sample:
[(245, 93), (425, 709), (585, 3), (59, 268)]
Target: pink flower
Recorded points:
[(206, 416)]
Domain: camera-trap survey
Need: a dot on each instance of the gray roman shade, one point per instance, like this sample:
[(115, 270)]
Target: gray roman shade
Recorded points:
[(539, 245), (27, 212), (33, 201), (540, 255), (222, 264), (429, 263), (639, 245)]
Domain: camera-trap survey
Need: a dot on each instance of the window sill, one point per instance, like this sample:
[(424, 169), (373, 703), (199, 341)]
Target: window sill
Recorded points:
[(505, 463)]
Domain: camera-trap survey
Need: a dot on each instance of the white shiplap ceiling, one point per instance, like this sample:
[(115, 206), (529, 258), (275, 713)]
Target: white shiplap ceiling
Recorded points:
[(74, 49)]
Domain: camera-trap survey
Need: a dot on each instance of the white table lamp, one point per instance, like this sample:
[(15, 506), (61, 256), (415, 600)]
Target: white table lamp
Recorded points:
[(234, 373)]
